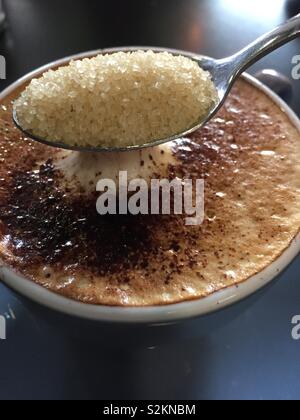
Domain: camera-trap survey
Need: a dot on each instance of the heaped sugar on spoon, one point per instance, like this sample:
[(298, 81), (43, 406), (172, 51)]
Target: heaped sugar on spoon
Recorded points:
[(134, 97)]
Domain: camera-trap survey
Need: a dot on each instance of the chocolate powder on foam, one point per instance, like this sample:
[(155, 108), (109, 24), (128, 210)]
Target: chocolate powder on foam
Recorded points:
[(48, 225), (159, 258)]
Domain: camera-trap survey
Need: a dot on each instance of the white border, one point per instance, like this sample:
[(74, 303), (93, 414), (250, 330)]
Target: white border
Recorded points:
[(152, 314)]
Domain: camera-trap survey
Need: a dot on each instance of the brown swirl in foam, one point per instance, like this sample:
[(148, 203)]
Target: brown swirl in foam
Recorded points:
[(249, 156)]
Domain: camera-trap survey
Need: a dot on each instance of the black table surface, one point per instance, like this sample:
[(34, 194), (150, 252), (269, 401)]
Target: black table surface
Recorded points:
[(253, 357)]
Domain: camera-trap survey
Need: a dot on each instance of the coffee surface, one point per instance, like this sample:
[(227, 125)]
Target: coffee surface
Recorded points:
[(249, 157)]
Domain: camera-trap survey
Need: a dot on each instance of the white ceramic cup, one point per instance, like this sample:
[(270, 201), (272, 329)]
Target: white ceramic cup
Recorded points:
[(154, 315)]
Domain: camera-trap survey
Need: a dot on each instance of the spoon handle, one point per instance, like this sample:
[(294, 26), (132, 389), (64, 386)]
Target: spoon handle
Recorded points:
[(264, 45)]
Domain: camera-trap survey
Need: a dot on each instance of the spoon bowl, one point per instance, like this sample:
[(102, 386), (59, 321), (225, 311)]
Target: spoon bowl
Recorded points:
[(206, 63), (224, 73)]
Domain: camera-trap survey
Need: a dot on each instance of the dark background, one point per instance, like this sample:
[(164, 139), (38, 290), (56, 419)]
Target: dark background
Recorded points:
[(254, 357)]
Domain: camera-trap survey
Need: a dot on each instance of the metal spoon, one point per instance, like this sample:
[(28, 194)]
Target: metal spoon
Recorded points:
[(224, 73)]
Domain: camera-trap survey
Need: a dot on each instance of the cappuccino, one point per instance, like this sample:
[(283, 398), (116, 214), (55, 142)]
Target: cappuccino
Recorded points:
[(50, 231)]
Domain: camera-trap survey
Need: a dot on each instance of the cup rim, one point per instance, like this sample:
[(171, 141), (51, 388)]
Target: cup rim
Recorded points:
[(158, 314)]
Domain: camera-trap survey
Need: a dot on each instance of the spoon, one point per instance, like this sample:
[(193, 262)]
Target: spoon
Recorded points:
[(224, 73)]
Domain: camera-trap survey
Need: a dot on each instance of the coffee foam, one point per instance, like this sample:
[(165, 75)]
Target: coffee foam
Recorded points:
[(86, 169), (249, 157)]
